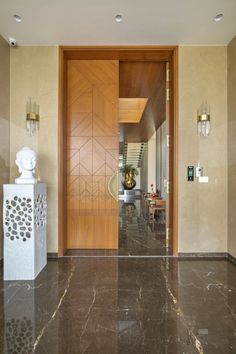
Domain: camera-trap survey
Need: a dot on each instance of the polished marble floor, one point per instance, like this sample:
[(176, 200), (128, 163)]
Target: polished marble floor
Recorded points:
[(122, 305), (138, 234)]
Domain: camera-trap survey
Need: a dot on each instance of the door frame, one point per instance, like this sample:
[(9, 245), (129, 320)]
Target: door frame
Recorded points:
[(121, 53)]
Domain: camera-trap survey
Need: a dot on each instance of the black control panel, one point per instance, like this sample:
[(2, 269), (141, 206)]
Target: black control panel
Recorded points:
[(190, 173)]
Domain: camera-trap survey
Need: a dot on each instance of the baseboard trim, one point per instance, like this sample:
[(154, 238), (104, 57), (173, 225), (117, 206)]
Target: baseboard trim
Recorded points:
[(221, 255), (207, 256), (52, 255), (231, 258), (181, 255)]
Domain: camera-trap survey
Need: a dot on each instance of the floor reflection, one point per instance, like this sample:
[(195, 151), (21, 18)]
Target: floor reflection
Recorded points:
[(140, 235), (19, 326), (144, 305)]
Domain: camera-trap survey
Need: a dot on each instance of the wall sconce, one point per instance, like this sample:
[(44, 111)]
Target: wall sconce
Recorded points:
[(203, 120), (32, 117)]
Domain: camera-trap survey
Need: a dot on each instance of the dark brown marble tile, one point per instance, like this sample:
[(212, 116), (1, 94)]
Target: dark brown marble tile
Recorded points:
[(142, 305)]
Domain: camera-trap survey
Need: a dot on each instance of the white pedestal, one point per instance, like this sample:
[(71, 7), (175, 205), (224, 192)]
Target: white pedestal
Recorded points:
[(24, 222)]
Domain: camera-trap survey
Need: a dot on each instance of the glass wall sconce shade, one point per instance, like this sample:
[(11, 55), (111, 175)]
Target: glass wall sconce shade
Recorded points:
[(32, 117), (204, 124), (203, 120)]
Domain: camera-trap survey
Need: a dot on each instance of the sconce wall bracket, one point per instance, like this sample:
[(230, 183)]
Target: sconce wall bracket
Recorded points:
[(32, 116), (203, 117)]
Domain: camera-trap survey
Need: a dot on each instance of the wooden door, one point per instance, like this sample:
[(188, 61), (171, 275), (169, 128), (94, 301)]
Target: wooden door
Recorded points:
[(92, 153)]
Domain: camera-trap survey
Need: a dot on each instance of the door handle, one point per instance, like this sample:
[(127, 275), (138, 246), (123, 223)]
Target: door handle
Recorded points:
[(112, 186)]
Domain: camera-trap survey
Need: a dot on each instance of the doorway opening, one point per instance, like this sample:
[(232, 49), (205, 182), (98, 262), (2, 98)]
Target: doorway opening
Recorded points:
[(99, 88), (143, 158)]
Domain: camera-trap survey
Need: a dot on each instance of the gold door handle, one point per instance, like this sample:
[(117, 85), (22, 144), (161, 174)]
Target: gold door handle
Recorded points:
[(112, 186)]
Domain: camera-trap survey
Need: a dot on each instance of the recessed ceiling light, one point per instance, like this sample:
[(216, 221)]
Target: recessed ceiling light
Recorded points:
[(218, 17), (118, 18), (17, 18)]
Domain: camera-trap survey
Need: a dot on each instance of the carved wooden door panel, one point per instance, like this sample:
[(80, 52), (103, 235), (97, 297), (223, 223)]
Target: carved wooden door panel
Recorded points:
[(92, 153)]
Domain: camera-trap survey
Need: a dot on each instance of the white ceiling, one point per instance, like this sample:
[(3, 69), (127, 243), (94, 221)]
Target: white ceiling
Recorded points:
[(87, 22)]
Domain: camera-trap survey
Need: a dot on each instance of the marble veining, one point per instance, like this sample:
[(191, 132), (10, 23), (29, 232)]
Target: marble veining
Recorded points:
[(41, 333), (196, 342), (122, 305)]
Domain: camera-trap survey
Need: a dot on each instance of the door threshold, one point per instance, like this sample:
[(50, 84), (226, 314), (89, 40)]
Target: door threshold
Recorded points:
[(157, 252), (119, 256)]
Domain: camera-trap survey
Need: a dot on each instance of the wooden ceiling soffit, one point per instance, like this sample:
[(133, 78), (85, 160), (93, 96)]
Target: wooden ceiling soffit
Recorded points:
[(131, 109), (155, 86)]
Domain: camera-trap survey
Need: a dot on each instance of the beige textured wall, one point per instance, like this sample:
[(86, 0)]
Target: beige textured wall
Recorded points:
[(4, 122), (203, 76), (203, 207), (34, 72), (232, 147)]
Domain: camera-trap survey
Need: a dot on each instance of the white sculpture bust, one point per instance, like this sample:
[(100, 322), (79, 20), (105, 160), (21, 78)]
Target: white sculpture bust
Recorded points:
[(26, 160)]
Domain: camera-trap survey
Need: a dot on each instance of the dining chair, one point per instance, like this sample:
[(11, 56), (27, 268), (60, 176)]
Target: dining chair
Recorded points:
[(158, 207)]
